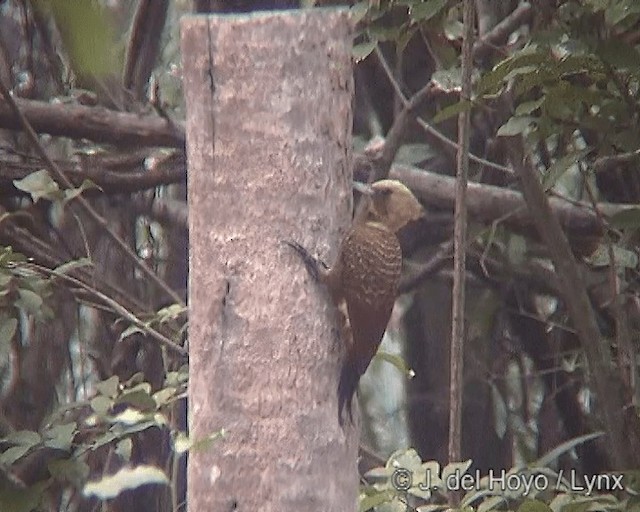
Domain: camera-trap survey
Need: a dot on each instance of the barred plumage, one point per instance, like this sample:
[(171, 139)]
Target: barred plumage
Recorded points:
[(366, 275)]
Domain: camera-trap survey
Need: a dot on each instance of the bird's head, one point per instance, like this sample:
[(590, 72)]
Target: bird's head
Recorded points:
[(391, 203)]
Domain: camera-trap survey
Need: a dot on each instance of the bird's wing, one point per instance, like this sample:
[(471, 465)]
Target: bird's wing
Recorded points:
[(367, 328)]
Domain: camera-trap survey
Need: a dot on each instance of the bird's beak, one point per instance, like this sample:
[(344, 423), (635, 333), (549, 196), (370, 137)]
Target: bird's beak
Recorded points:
[(365, 190)]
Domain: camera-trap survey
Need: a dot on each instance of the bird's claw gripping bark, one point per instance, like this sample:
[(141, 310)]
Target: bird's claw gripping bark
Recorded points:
[(312, 264)]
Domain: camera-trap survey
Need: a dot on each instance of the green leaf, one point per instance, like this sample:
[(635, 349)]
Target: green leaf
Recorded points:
[(516, 249), (11, 455), (359, 11), (626, 219), (561, 166), (500, 414), (624, 258), (411, 154), (534, 506), (567, 446), (100, 405), (108, 387), (18, 499), (404, 458), (374, 500), (69, 470), (24, 437), (455, 468), (171, 312), (426, 10), (516, 125), (67, 267), (449, 80), (139, 399), (396, 361), (106, 438), (72, 193), (29, 301), (39, 185), (182, 443), (127, 478), (451, 110), (621, 10), (123, 449), (5, 279), (8, 328), (435, 508), (491, 503), (453, 29), (163, 396), (618, 54), (60, 436), (528, 107), (129, 331), (528, 58), (363, 50), (87, 29)]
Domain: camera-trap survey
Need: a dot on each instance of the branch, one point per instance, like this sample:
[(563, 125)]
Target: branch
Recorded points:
[(608, 163), (97, 124), (488, 203), (47, 255), (460, 252), (420, 273), (395, 135), (144, 43), (501, 32), (607, 385), (430, 130), (111, 182), (114, 305), (101, 221), (164, 210)]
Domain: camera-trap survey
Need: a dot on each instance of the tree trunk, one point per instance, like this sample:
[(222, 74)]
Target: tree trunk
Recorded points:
[(269, 149)]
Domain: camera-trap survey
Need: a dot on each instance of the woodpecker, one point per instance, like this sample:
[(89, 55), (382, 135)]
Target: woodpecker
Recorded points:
[(364, 279)]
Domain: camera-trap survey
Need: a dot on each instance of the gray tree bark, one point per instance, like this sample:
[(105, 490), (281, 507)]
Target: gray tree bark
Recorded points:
[(269, 150)]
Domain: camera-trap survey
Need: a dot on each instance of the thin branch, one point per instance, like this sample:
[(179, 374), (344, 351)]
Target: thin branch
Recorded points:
[(488, 203), (608, 386), (430, 130), (144, 44), (111, 182), (395, 135), (418, 275), (163, 209), (93, 123), (46, 254), (108, 301), (621, 321), (101, 221), (608, 163), (460, 251), (501, 32)]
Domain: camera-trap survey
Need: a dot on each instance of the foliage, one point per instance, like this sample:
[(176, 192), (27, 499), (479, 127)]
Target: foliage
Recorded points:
[(567, 84), (408, 483), (111, 420), (571, 82)]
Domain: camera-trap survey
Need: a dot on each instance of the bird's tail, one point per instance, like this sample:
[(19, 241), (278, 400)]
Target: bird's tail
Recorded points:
[(347, 387)]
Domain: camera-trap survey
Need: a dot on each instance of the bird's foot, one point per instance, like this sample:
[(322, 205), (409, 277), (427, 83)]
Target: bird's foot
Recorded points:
[(315, 267)]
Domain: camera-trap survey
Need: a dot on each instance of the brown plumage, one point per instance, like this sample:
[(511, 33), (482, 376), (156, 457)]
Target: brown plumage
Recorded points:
[(365, 276)]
